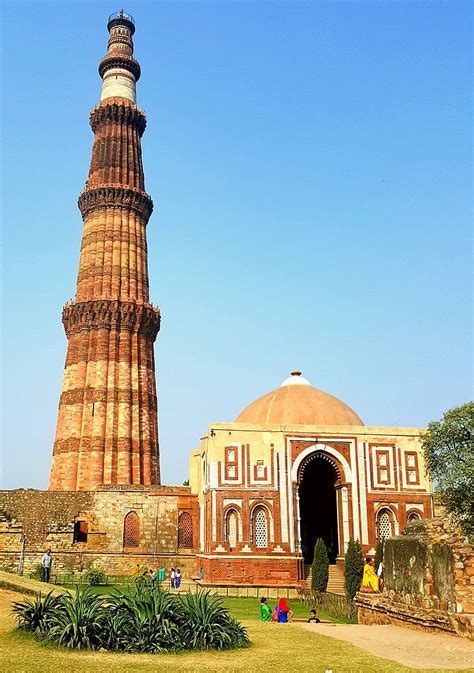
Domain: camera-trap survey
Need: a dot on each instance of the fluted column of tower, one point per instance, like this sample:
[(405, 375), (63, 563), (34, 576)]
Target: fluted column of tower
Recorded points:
[(107, 429)]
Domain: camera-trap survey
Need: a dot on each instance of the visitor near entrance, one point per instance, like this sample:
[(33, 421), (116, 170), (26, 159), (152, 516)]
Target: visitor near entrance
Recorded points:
[(46, 564), (370, 580), (172, 578), (177, 579)]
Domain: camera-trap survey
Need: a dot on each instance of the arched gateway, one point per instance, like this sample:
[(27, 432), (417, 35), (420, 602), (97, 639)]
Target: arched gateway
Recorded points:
[(319, 479)]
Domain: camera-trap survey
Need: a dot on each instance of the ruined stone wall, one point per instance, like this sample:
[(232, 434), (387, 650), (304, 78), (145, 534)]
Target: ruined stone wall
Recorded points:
[(46, 519), (429, 581)]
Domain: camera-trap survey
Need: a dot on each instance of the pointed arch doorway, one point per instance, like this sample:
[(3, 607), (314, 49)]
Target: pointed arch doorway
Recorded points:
[(318, 505)]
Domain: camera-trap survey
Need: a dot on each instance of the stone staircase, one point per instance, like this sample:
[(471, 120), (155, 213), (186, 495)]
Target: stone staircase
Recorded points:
[(336, 579)]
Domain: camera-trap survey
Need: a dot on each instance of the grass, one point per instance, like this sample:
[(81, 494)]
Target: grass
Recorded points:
[(243, 609), (273, 646)]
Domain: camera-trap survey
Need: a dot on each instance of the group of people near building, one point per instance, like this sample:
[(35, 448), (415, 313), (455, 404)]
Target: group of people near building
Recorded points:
[(175, 578), (282, 612), (372, 582)]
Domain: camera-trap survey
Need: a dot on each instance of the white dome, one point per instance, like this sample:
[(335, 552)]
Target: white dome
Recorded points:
[(295, 380)]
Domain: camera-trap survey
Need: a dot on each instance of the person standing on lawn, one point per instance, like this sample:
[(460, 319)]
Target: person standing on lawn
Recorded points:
[(265, 611), (46, 562), (177, 579), (172, 578)]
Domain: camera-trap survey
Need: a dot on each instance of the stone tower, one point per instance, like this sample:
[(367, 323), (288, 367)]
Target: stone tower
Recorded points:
[(107, 429)]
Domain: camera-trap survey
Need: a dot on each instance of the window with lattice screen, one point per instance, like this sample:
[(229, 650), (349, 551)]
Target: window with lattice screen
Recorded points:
[(185, 531), (260, 534), (384, 525), (231, 528), (131, 530)]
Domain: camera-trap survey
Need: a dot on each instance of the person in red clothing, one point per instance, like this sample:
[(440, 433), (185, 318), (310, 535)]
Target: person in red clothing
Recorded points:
[(284, 611)]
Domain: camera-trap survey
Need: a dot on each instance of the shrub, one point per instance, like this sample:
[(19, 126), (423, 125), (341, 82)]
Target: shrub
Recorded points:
[(143, 619), (139, 619), (78, 621), (37, 573), (320, 567), (95, 577), (207, 625), (334, 605), (354, 568), (36, 614)]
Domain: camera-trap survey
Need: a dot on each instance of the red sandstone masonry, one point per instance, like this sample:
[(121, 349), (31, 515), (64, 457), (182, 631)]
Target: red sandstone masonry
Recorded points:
[(107, 428)]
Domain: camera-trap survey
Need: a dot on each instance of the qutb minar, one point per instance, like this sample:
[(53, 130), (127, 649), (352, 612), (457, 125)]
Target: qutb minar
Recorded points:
[(107, 429), (295, 466)]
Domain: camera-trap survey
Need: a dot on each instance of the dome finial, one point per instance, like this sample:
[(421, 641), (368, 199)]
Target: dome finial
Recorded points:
[(295, 379)]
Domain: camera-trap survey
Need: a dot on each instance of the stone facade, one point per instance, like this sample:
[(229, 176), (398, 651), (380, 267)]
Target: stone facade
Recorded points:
[(46, 519), (429, 581), (107, 429), (257, 524)]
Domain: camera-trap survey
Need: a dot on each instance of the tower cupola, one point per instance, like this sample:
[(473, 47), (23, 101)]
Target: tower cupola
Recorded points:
[(119, 70)]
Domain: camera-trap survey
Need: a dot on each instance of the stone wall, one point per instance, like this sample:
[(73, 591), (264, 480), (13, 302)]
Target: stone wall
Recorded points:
[(429, 581), (45, 519), (263, 571)]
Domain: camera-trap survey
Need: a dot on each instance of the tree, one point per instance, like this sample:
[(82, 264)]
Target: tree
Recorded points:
[(378, 558), (353, 569), (449, 458), (320, 567)]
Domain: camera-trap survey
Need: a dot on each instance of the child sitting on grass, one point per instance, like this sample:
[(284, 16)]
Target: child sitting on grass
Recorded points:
[(313, 619)]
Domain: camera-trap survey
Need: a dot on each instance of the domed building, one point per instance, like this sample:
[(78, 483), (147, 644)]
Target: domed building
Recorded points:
[(296, 465)]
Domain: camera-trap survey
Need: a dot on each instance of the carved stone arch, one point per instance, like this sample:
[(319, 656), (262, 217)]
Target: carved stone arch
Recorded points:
[(386, 522), (185, 531), (414, 515), (232, 526), (131, 530), (322, 455), (339, 462), (261, 524)]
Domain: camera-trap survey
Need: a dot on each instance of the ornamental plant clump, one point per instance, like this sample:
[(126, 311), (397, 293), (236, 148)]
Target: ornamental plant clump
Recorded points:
[(320, 567), (94, 577), (353, 569), (140, 619)]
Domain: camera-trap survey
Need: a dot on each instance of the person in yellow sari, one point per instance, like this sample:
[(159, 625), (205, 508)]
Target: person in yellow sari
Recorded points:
[(370, 581)]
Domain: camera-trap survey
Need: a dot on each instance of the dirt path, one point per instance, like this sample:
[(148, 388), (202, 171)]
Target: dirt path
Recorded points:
[(406, 646)]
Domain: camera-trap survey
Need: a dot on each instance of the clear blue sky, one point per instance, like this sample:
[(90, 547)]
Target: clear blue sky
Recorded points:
[(310, 164)]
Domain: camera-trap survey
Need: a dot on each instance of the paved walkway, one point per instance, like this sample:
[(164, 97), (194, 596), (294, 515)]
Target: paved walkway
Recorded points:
[(406, 646)]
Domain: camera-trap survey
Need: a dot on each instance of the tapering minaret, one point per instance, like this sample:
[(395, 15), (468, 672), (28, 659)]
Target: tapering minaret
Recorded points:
[(107, 430)]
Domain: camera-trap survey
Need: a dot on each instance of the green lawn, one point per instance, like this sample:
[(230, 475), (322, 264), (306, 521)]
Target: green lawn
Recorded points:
[(274, 646), (242, 608)]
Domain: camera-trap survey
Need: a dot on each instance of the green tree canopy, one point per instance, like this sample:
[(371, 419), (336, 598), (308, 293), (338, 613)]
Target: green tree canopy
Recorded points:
[(449, 457)]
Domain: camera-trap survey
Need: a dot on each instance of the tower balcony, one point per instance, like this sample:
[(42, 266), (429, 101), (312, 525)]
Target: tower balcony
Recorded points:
[(121, 19)]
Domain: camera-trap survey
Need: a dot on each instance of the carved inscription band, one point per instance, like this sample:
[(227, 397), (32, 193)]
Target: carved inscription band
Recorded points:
[(96, 395), (112, 314), (87, 444), (115, 197), (123, 112)]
